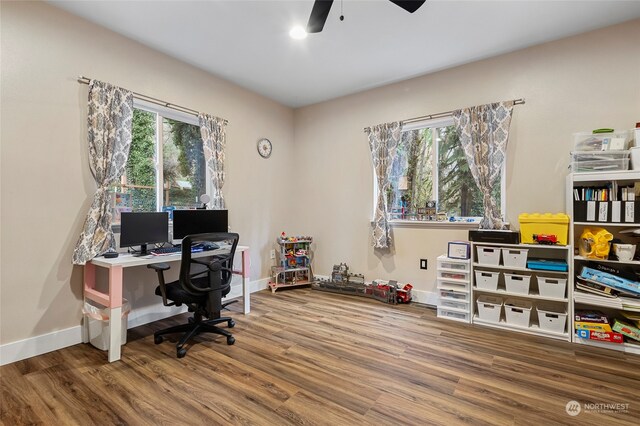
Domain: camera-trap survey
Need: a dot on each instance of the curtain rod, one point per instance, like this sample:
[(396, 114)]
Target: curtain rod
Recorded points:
[(85, 80), (442, 114)]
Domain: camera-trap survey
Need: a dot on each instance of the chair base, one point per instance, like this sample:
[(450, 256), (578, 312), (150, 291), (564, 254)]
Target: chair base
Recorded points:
[(193, 328)]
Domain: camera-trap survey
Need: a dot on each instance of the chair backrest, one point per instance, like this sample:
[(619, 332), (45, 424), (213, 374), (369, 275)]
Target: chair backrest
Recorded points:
[(218, 267)]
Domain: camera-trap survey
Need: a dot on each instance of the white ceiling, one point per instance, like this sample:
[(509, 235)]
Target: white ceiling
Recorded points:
[(247, 42)]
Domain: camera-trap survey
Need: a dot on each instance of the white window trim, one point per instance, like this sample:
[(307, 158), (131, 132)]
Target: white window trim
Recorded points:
[(401, 223), (172, 114)]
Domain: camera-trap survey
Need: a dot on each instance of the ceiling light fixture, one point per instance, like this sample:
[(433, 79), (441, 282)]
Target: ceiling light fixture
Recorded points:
[(298, 33)]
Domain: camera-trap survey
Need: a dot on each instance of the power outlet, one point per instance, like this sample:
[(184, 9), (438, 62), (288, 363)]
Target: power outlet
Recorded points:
[(423, 263), (273, 253)]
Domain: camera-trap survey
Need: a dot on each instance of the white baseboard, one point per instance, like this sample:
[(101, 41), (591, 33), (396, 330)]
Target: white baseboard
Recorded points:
[(38, 345)]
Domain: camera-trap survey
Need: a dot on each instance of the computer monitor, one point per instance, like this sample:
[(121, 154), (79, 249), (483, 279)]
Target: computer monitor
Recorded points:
[(142, 228), (189, 222)]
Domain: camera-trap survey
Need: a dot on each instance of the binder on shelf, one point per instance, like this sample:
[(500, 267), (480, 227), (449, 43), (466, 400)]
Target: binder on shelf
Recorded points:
[(615, 211), (629, 211), (603, 211), (591, 211)]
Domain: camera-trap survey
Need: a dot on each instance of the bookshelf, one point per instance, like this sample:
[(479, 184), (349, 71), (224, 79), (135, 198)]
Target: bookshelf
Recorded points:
[(616, 220)]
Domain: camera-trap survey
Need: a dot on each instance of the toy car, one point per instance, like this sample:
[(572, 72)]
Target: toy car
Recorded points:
[(545, 239)]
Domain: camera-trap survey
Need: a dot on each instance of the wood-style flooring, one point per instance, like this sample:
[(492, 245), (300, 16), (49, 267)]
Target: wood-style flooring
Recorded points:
[(308, 357)]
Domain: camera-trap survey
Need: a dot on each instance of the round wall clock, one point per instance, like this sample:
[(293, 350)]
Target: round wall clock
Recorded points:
[(264, 148)]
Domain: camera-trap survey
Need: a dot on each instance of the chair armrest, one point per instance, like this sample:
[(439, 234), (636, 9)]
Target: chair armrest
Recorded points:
[(159, 266)]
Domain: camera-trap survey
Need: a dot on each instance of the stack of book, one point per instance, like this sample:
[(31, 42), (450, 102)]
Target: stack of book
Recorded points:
[(594, 325)]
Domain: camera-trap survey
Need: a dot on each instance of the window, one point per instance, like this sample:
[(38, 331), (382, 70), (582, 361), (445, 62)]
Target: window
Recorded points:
[(175, 182), (430, 166)]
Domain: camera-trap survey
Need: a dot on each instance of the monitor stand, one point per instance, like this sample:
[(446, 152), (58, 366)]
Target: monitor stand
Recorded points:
[(143, 251)]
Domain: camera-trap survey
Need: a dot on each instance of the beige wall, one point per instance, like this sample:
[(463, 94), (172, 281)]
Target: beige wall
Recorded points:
[(47, 186), (576, 84)]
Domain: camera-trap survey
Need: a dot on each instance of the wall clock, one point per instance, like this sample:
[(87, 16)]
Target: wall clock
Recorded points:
[(264, 148)]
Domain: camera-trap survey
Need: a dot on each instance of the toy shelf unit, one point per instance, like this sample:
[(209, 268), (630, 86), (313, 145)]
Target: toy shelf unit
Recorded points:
[(522, 287), (294, 268), (605, 231), (454, 295)]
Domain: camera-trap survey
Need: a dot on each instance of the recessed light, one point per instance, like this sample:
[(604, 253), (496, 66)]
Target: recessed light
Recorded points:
[(298, 33)]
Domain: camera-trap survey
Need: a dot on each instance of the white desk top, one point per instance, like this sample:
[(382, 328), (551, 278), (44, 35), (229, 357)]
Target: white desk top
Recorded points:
[(127, 260)]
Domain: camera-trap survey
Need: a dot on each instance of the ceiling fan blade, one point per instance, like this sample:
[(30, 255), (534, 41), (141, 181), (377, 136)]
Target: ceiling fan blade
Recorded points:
[(409, 6), (319, 15)]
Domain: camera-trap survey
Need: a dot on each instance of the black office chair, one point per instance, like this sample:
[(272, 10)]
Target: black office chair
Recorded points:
[(202, 284)]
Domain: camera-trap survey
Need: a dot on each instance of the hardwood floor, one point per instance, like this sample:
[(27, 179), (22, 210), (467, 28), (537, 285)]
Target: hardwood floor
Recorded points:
[(308, 357)]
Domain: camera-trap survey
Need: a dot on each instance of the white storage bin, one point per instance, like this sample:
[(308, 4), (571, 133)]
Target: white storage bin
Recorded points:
[(517, 283), (552, 287), (453, 315), (450, 294), (514, 257), (518, 312), (488, 255), (455, 275), (99, 323), (489, 308), (446, 303), (487, 280), (552, 318)]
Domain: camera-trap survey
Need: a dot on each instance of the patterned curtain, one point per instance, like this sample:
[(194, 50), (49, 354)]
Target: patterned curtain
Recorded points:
[(109, 124), (484, 132), (214, 140), (383, 141)]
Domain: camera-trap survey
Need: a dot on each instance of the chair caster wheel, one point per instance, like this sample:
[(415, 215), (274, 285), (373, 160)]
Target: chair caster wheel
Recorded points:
[(231, 340), (181, 352), (231, 323), (158, 339)]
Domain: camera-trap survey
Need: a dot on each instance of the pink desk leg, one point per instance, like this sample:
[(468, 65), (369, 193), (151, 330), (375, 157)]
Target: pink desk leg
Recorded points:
[(115, 312), (89, 284), (246, 274)]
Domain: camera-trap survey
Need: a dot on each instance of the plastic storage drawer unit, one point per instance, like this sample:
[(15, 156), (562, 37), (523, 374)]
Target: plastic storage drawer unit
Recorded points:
[(489, 308), (487, 280), (453, 314), (518, 312)]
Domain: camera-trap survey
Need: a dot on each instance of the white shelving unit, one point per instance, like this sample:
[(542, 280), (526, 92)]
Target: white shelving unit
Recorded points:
[(582, 300), (454, 301), (559, 253)]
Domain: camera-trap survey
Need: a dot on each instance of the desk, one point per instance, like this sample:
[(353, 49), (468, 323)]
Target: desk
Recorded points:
[(113, 298)]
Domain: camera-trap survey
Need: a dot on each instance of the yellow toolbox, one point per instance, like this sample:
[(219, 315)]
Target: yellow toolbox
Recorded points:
[(547, 225)]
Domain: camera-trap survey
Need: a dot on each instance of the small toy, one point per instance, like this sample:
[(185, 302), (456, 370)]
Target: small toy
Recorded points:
[(342, 281), (547, 239)]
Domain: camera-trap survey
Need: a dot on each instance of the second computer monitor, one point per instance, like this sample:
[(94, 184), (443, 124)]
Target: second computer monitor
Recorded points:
[(189, 222)]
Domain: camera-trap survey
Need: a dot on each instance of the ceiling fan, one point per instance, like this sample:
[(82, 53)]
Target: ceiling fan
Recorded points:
[(321, 10)]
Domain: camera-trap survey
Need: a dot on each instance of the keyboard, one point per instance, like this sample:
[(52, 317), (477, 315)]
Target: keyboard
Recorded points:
[(165, 251)]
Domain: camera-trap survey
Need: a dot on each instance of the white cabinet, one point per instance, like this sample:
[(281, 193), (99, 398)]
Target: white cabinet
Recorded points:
[(510, 292), (618, 215), (454, 299)]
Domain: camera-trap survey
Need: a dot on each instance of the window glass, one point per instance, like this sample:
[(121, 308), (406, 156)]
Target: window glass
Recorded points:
[(430, 177), (183, 164), (182, 170)]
